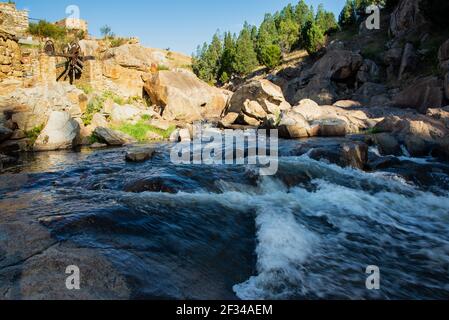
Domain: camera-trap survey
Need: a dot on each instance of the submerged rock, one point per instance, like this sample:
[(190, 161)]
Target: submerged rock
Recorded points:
[(387, 144), (164, 184), (139, 155), (347, 154)]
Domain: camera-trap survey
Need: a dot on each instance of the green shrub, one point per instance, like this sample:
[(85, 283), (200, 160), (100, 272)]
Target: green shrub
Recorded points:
[(93, 107), (45, 29), (224, 78)]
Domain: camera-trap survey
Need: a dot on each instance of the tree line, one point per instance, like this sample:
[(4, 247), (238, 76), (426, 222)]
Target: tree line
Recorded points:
[(294, 27)]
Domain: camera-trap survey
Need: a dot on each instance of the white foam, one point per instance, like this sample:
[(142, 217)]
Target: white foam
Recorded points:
[(283, 245), (286, 244)]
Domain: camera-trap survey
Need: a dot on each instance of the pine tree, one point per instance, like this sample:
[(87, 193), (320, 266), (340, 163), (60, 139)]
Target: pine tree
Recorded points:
[(288, 34), (287, 27), (267, 35), (271, 56), (245, 56), (326, 20), (314, 38), (228, 58), (303, 14), (348, 14), (207, 61)]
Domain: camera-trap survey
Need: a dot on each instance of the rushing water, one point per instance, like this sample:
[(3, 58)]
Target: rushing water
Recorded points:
[(224, 232)]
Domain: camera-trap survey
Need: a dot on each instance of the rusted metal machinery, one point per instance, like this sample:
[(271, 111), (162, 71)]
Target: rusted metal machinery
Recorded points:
[(73, 67)]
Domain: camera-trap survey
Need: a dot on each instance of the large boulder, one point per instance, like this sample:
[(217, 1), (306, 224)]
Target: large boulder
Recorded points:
[(124, 113), (90, 47), (319, 82), (424, 94), (341, 120), (368, 94), (440, 115), (409, 60), (406, 18), (368, 72), (61, 132), (30, 107), (293, 126), (332, 127), (134, 56), (5, 133), (184, 97), (417, 133), (309, 109), (387, 144), (255, 101), (126, 82), (112, 137)]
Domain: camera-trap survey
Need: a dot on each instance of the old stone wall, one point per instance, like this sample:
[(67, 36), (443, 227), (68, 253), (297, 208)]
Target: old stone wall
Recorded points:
[(12, 20), (10, 57)]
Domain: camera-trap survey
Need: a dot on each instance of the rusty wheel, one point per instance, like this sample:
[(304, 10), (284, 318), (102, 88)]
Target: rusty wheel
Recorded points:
[(49, 48)]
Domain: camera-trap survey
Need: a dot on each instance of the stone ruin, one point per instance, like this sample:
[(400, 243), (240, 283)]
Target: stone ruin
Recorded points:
[(10, 57), (12, 20)]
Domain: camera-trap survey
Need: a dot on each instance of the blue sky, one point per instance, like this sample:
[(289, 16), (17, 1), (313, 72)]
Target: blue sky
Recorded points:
[(180, 25)]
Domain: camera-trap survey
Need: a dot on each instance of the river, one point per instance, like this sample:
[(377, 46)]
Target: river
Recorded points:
[(224, 232)]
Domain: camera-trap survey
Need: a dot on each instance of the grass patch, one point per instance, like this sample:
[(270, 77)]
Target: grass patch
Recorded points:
[(118, 42), (346, 34), (85, 87), (25, 46), (371, 131), (93, 107), (135, 99), (34, 133), (114, 97), (140, 130), (162, 67)]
